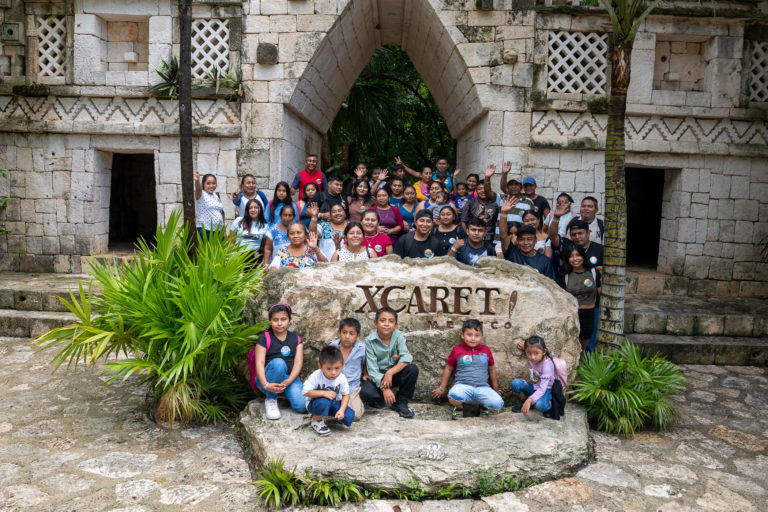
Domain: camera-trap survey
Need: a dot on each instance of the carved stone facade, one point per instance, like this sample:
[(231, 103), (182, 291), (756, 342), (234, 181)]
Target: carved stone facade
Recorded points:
[(518, 81)]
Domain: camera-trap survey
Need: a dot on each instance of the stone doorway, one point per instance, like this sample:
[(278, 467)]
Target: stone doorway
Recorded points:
[(133, 206), (645, 189)]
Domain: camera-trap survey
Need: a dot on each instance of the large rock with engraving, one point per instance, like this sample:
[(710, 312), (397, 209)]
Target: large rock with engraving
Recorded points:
[(432, 297)]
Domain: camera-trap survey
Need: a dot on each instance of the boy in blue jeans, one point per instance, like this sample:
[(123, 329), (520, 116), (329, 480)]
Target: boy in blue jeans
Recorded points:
[(474, 366), (327, 392)]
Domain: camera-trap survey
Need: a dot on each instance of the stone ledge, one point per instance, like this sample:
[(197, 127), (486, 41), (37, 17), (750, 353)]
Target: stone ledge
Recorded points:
[(382, 449)]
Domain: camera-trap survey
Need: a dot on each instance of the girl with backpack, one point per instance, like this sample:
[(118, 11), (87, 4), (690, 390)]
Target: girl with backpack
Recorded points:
[(579, 278), (275, 362), (537, 390)]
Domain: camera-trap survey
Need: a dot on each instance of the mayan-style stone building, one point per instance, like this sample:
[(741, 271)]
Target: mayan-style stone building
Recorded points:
[(93, 156)]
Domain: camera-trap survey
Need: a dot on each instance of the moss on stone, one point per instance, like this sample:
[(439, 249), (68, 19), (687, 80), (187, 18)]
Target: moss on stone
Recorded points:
[(597, 105), (33, 90), (539, 99)]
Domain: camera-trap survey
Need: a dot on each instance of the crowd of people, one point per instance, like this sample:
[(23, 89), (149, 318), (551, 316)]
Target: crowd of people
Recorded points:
[(353, 375), (416, 214)]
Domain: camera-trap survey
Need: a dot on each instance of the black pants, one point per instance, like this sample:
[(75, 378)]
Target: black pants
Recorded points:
[(404, 381)]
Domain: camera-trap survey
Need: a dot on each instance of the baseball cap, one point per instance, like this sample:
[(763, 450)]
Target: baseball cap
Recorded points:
[(526, 229), (529, 181), (578, 224)]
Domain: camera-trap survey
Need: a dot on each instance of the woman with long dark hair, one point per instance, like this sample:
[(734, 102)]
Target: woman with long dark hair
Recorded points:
[(253, 231), (579, 278), (282, 197)]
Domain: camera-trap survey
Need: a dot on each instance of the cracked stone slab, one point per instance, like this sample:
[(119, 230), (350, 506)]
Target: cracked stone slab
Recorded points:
[(119, 464)]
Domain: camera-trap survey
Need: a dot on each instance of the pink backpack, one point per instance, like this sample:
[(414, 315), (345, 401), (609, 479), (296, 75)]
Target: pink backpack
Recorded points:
[(252, 362), (561, 370)]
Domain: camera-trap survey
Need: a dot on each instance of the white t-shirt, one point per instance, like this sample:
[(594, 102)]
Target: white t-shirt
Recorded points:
[(318, 382), (253, 239), (563, 223), (210, 211)]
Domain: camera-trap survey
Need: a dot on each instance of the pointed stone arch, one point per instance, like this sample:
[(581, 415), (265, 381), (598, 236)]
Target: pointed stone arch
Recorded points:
[(362, 28)]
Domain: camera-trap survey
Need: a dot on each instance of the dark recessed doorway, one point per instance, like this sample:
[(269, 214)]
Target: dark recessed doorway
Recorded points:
[(133, 205), (645, 188)]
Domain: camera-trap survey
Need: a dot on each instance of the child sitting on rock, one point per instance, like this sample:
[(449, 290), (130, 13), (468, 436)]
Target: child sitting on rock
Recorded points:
[(538, 390), (389, 365), (353, 352), (327, 392), (474, 366)]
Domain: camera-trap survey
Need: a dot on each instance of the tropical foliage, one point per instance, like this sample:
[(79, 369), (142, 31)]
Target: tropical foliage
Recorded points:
[(175, 322), (624, 391), (389, 112), (626, 18), (280, 487), (169, 78)]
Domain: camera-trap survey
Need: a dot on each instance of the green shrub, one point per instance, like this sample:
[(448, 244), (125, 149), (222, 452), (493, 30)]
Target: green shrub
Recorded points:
[(178, 323), (624, 391)]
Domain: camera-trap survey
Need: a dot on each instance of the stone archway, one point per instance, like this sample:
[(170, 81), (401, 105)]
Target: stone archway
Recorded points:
[(436, 51)]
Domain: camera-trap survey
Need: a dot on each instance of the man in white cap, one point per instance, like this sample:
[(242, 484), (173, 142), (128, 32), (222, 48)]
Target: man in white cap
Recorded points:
[(513, 186), (540, 203)]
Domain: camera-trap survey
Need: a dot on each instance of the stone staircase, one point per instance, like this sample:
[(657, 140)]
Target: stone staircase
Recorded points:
[(28, 303), (694, 330)]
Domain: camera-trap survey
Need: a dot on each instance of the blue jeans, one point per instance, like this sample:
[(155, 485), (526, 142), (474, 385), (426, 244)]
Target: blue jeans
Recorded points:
[(543, 404), (324, 407), (593, 340), (483, 395), (277, 371)]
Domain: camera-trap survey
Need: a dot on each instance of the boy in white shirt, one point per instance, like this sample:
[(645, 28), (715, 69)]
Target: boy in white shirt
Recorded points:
[(327, 392)]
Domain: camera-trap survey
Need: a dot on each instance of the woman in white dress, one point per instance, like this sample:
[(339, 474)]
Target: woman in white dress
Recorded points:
[(353, 250)]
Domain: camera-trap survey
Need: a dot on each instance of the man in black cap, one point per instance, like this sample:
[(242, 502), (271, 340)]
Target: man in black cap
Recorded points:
[(578, 232)]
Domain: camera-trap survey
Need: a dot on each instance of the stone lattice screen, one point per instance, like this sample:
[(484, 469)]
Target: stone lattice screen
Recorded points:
[(210, 46), (51, 43), (758, 71), (577, 62)]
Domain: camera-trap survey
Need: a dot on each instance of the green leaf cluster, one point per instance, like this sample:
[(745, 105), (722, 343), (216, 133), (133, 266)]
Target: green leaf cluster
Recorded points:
[(389, 112), (169, 78), (280, 487), (625, 391), (174, 321)]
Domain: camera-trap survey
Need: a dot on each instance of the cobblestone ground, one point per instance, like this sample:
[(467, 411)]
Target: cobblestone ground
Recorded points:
[(70, 443)]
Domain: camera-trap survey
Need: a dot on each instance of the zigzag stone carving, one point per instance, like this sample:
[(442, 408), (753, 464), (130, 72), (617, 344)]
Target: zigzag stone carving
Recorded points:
[(116, 110), (655, 128)]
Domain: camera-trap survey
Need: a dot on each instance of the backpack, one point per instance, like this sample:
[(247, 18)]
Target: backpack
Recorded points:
[(561, 370), (252, 362)]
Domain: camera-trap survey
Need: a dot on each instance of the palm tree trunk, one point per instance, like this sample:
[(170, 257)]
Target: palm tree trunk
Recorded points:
[(611, 326), (185, 119)]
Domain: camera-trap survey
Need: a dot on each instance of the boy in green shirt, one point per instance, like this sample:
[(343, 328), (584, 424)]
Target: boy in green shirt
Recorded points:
[(389, 365)]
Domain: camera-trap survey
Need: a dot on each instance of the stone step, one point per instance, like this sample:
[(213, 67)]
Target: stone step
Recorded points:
[(31, 324), (118, 258), (720, 350), (37, 292), (696, 316), (643, 281)]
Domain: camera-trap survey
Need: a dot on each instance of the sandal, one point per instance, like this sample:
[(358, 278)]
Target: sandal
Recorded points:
[(457, 413), (484, 412)]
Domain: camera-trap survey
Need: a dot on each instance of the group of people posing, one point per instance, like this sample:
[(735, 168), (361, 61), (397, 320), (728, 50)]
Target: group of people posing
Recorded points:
[(416, 214), (380, 371)]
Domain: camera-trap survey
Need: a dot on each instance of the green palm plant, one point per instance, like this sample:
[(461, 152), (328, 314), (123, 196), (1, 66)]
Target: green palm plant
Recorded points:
[(169, 76), (177, 322), (624, 391)]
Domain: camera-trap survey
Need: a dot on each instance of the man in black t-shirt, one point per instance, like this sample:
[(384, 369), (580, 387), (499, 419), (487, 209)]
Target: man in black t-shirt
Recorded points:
[(578, 231), (419, 243), (334, 196), (469, 250)]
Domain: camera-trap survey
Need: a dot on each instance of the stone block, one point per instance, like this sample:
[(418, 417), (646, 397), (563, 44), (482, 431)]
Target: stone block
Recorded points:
[(659, 97), (696, 267), (274, 6), (746, 209), (285, 23), (743, 231), (301, 7), (698, 99), (650, 322), (566, 181), (115, 77), (486, 18), (314, 22), (680, 325), (136, 78), (641, 81), (89, 53), (584, 182), (517, 130), (299, 46), (268, 72), (255, 24), (739, 325), (686, 230), (89, 24), (39, 185), (134, 7), (721, 269), (161, 29), (722, 47), (481, 54), (689, 180), (709, 325)]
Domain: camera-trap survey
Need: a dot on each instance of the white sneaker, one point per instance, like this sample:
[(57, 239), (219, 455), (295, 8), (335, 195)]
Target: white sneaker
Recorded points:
[(320, 428), (273, 411)]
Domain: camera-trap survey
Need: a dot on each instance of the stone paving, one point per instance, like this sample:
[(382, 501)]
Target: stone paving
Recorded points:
[(68, 442)]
